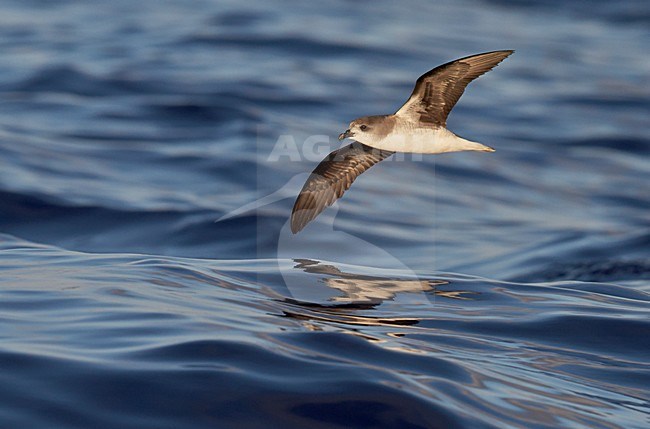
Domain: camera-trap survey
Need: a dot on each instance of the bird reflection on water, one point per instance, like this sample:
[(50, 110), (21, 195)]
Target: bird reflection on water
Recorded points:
[(362, 292)]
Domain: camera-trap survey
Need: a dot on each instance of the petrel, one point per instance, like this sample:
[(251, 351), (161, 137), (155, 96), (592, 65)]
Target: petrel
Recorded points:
[(419, 126)]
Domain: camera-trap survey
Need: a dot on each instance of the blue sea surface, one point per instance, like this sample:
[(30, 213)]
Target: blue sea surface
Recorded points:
[(150, 155)]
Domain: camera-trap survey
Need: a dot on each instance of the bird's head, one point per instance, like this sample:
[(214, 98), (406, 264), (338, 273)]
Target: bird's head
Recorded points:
[(365, 129)]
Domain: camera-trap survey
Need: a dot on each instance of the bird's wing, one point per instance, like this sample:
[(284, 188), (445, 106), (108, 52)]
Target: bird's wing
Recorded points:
[(331, 179), (437, 91)]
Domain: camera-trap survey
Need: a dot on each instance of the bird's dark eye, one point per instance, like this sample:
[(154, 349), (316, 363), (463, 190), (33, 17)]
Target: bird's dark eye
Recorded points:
[(363, 127)]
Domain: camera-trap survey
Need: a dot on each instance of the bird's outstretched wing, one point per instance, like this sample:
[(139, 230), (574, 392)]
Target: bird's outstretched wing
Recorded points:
[(331, 179), (437, 91)]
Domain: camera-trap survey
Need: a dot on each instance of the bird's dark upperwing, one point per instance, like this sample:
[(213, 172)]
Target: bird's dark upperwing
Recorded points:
[(331, 179), (437, 91)]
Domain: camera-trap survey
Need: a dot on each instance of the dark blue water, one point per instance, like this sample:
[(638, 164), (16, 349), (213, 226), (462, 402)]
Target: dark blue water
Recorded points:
[(469, 290)]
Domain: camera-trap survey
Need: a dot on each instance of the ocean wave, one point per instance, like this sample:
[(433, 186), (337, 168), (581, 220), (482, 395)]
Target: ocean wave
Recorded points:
[(182, 332)]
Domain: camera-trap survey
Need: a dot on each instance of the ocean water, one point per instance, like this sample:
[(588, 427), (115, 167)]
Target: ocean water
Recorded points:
[(150, 154)]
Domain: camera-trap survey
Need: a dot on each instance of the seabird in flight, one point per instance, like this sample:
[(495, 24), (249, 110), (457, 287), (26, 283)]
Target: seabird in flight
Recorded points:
[(419, 126)]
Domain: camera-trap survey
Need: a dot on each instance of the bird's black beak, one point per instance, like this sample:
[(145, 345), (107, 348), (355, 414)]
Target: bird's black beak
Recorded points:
[(345, 135)]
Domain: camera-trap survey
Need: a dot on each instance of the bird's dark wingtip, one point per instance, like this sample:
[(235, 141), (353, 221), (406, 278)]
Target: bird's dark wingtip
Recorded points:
[(296, 225), (505, 52)]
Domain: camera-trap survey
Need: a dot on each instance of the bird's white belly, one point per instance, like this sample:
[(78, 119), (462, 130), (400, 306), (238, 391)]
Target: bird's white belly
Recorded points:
[(429, 140)]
